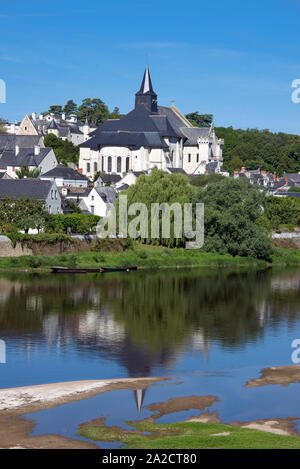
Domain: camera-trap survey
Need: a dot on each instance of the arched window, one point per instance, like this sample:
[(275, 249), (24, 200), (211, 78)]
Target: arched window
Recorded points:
[(88, 167), (102, 163), (109, 164), (119, 164), (127, 164), (95, 167)]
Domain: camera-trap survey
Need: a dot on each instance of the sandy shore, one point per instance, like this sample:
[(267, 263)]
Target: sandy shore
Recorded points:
[(15, 402)]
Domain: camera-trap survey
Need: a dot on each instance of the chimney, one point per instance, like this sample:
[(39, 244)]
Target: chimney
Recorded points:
[(286, 181), (79, 170), (274, 177), (63, 116), (17, 149), (37, 150), (264, 172), (33, 115)]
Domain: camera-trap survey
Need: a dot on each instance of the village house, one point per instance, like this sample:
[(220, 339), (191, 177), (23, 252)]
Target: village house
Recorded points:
[(149, 136), (62, 126), (9, 142), (46, 191), (65, 176), (39, 158)]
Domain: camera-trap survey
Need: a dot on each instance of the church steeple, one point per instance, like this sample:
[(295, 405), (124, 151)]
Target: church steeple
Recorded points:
[(146, 94)]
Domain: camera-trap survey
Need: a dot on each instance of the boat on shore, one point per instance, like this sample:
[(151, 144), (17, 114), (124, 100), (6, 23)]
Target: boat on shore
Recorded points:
[(82, 270)]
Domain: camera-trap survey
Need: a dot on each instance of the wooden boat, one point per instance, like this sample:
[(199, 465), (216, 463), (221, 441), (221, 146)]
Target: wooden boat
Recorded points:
[(82, 270)]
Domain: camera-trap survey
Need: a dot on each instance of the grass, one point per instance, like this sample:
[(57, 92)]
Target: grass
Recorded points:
[(147, 257), (189, 435)]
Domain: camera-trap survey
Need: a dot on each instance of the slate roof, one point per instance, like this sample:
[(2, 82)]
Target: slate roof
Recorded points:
[(62, 171), (108, 194), (106, 177), (192, 134), (25, 187), (177, 171), (25, 157), (124, 187), (9, 141)]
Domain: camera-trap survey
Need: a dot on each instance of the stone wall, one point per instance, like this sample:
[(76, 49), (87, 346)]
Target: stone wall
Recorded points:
[(7, 249), (290, 239), (79, 244)]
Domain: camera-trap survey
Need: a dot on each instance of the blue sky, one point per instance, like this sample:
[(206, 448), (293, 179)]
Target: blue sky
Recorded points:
[(234, 59)]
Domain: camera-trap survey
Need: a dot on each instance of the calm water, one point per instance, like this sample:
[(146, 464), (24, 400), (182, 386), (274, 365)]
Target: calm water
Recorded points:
[(211, 329)]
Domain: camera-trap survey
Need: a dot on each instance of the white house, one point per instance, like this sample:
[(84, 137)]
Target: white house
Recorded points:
[(65, 176), (43, 159)]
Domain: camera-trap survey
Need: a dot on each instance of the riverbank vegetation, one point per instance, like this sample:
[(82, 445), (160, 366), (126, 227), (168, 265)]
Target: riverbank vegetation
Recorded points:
[(189, 435), (147, 257)]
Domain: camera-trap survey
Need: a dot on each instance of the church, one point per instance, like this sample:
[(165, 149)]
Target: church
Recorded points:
[(151, 136)]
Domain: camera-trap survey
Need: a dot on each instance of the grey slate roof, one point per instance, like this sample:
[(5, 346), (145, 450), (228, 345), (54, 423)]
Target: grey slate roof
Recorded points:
[(9, 141), (25, 187), (64, 172), (106, 177), (192, 134), (25, 157), (108, 194), (124, 187)]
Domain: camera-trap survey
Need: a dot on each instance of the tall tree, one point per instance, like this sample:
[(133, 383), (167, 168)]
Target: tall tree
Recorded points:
[(70, 107), (95, 110), (200, 120), (56, 109)]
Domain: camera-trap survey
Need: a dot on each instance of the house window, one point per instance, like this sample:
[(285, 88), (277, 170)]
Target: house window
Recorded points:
[(93, 209), (55, 195), (189, 157), (119, 164), (109, 163), (52, 195), (95, 167), (127, 165), (88, 167), (197, 157), (92, 197)]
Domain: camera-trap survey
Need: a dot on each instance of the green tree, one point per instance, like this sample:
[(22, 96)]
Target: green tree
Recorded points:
[(234, 164), (25, 172), (232, 208), (95, 110), (200, 120), (56, 109), (70, 107), (64, 150), (160, 188)]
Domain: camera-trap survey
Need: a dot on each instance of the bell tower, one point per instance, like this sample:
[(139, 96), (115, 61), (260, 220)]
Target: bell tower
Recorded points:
[(146, 95)]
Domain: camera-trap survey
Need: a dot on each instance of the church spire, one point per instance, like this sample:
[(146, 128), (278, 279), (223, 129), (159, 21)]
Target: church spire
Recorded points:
[(146, 95)]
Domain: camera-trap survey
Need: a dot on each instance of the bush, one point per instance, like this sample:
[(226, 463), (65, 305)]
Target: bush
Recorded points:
[(72, 261)]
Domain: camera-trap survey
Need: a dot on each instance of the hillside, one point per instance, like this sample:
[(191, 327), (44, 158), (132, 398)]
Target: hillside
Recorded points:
[(253, 148)]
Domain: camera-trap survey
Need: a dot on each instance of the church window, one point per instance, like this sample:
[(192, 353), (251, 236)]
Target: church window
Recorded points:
[(109, 163), (119, 164), (95, 167), (88, 167), (127, 165), (102, 163), (189, 157), (197, 157)]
